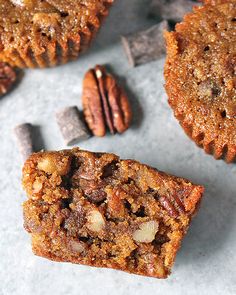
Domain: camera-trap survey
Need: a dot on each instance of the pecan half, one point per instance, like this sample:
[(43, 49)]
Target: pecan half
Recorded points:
[(7, 78), (105, 103)]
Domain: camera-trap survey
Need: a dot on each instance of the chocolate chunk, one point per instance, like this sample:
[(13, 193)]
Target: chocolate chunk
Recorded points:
[(71, 126), (173, 10), (145, 46), (93, 190), (23, 133)]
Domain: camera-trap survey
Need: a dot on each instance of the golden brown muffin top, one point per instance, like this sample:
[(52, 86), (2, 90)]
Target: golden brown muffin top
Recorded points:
[(40, 22), (200, 73)]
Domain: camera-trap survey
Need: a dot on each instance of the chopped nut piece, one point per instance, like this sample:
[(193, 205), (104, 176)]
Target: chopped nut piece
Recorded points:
[(47, 165), (95, 221), (7, 78), (51, 164), (18, 2), (77, 246), (27, 3), (115, 204), (46, 19), (146, 232), (37, 186)]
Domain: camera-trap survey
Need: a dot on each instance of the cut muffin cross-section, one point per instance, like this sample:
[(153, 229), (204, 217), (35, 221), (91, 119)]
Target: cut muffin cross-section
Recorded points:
[(98, 210)]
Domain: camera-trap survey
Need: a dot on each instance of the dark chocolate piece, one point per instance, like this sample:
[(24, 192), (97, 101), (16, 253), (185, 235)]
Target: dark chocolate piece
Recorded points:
[(23, 133), (173, 10), (145, 46), (71, 126)]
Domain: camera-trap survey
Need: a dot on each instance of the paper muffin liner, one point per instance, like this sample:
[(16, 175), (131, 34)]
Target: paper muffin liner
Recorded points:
[(224, 151), (56, 52)]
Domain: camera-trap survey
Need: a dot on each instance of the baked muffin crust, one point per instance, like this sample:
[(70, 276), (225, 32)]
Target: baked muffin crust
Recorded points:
[(200, 73), (48, 32), (98, 210)]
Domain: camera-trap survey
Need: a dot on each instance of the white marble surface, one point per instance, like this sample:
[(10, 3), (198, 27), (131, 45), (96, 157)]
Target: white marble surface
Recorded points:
[(206, 264)]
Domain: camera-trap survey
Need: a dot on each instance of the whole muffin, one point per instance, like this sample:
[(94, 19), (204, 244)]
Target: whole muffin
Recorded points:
[(200, 73), (44, 33)]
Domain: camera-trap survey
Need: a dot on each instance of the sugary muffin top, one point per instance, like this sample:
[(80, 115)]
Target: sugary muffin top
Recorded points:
[(200, 73), (39, 22)]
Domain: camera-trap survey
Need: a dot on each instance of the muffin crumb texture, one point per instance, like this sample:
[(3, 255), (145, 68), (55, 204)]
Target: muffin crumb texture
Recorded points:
[(98, 210)]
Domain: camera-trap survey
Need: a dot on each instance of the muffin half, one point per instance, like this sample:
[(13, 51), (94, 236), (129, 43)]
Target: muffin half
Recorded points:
[(200, 73), (45, 33), (98, 210)]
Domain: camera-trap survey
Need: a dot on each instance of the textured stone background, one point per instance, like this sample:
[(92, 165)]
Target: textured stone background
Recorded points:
[(206, 264)]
